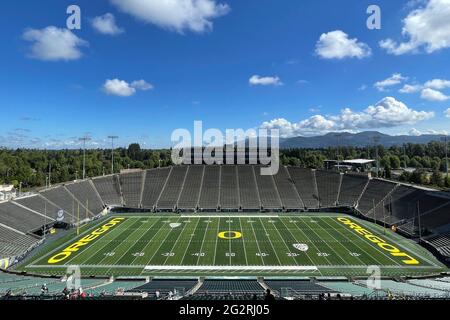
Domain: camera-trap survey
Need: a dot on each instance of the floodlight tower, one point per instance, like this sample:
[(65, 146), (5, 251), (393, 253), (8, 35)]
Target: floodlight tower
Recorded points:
[(84, 139), (338, 137), (112, 151), (376, 140)]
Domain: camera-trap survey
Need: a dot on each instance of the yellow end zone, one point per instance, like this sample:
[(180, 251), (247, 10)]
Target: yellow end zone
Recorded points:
[(392, 250), (67, 252)]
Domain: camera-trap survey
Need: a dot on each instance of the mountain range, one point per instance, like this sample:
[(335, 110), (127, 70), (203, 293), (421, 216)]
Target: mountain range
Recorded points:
[(361, 139)]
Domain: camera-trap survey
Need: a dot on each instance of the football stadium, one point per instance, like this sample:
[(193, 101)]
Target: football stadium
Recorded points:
[(228, 232), (248, 155)]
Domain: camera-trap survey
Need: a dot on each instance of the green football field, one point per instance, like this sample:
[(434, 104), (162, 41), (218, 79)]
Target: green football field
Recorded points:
[(233, 245)]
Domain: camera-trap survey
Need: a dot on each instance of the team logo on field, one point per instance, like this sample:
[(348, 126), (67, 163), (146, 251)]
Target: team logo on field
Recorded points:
[(301, 246), (230, 235), (174, 225)]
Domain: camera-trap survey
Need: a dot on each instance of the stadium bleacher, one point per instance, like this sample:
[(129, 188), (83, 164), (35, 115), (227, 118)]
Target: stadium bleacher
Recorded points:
[(441, 242), (85, 193), (164, 286), (268, 193), (229, 190), (131, 186), (210, 189), (233, 287), (109, 190), (171, 191), (248, 192), (21, 219), (328, 187), (375, 192), (296, 287), (191, 188), (14, 243), (44, 207), (286, 189), (65, 201), (305, 183), (154, 183), (351, 189)]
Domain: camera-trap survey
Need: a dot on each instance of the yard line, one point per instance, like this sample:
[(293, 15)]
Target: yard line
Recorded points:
[(175, 243), (326, 243), (283, 241), (273, 248), (243, 242), (229, 241), (306, 237), (217, 240), (142, 235), (296, 240), (345, 248), (382, 253), (162, 242), (355, 243), (187, 244), (257, 243), (203, 241)]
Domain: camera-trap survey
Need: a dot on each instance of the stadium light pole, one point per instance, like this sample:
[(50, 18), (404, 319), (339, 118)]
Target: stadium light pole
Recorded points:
[(84, 139), (376, 140), (112, 152), (338, 137)]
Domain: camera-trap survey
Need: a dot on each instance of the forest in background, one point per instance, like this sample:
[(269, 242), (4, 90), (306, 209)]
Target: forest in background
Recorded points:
[(30, 168)]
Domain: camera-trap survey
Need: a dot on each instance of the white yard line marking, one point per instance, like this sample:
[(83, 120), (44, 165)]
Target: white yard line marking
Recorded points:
[(257, 244), (162, 242), (344, 234), (203, 241), (295, 238), (273, 248), (321, 228), (137, 230), (243, 242), (217, 240), (306, 237), (146, 229), (175, 242)]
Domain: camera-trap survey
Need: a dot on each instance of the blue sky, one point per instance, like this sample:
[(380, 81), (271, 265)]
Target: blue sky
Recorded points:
[(304, 67)]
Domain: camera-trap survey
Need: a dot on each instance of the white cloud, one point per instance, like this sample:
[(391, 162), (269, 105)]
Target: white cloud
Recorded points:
[(427, 27), (387, 113), (410, 88), (106, 24), (447, 113), (118, 87), (122, 88), (433, 95), (175, 15), (53, 44), (437, 84), (142, 85), (337, 45), (393, 80), (264, 81)]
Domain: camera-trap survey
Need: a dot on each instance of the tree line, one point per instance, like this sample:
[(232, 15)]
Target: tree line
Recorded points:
[(30, 168)]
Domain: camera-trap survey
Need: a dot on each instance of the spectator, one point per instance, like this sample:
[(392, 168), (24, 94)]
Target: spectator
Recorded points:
[(269, 296)]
